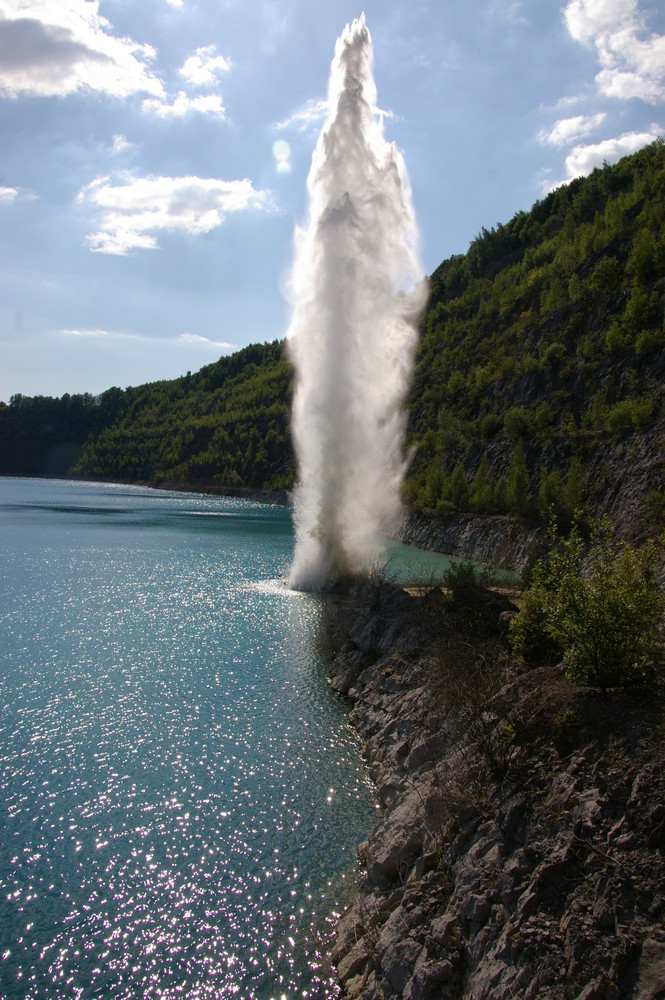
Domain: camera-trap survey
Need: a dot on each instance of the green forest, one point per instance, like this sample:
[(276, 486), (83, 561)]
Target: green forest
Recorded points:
[(540, 364)]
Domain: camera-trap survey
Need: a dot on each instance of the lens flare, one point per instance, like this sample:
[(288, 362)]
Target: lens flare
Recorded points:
[(281, 152)]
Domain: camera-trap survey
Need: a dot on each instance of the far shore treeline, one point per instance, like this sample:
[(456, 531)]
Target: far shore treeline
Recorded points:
[(538, 378)]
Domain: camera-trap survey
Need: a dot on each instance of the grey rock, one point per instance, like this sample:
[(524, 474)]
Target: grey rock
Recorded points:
[(398, 957), (478, 908), (651, 971), (354, 962), (492, 890), (595, 990)]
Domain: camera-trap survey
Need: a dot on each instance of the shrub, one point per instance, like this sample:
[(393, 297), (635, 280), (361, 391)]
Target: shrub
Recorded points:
[(528, 635), (603, 609), (490, 426), (481, 496), (552, 354), (458, 491), (467, 583), (516, 422), (573, 497), (643, 412), (518, 484), (648, 342), (606, 277), (614, 338), (619, 418), (550, 492), (640, 312)]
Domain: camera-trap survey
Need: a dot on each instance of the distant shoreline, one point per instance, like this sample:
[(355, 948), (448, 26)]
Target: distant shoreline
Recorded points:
[(496, 541), (281, 497)]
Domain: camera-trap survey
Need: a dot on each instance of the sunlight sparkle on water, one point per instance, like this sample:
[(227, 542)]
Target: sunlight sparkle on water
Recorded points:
[(169, 744)]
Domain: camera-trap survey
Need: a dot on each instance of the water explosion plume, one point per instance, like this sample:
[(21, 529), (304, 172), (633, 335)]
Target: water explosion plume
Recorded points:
[(352, 332)]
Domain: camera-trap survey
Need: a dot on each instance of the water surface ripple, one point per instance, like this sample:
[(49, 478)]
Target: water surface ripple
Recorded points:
[(180, 792)]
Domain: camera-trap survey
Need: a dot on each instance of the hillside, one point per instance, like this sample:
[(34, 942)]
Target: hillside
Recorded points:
[(538, 379), (540, 371), (227, 425)]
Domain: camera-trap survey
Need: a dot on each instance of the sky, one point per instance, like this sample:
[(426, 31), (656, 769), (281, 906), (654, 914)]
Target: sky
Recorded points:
[(154, 155)]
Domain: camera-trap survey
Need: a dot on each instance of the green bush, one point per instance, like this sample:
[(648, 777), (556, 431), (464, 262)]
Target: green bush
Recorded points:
[(458, 490), (648, 342), (606, 277), (602, 608), (528, 635), (516, 422), (490, 425), (518, 484), (482, 492), (614, 338), (619, 418), (467, 583), (550, 492), (552, 354)]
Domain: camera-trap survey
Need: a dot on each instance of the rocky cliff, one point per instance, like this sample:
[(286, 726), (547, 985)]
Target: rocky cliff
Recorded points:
[(499, 541), (520, 850)]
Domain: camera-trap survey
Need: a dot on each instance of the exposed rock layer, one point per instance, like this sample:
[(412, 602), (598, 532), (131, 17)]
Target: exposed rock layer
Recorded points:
[(499, 541), (520, 852)]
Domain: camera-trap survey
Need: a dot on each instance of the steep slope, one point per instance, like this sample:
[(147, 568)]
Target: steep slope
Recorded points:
[(540, 371)]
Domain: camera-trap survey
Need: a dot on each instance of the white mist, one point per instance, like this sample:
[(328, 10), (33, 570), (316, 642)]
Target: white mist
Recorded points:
[(352, 334)]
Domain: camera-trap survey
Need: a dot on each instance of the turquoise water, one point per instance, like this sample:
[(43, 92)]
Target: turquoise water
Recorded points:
[(180, 792)]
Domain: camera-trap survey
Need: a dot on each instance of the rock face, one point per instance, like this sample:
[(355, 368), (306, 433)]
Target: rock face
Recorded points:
[(520, 850), (499, 541)]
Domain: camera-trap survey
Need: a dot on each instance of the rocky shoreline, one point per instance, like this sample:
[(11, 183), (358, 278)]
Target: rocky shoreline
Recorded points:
[(520, 852), (497, 540)]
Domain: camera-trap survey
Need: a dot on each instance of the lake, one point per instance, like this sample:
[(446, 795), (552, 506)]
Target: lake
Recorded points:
[(181, 793)]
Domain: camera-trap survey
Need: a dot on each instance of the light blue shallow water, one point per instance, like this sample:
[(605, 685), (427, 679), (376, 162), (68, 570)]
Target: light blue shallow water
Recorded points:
[(180, 792)]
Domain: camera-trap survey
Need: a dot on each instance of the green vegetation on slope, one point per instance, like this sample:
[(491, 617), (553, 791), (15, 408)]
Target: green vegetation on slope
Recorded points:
[(540, 367), (227, 425), (600, 607), (544, 341)]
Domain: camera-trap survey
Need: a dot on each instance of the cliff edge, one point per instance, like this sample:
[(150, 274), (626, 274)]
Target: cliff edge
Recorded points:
[(520, 852)]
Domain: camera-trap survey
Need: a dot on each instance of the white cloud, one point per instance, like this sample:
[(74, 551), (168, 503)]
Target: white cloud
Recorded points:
[(632, 59), (183, 339), (568, 130), (175, 3), (134, 211), (96, 334), (205, 104), (195, 338), (311, 113), (204, 67), (120, 144), (51, 48), (570, 101), (583, 159), (7, 195)]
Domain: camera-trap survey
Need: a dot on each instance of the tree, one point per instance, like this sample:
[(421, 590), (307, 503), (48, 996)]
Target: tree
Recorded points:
[(573, 496), (550, 492), (519, 500), (606, 277), (459, 492), (601, 607), (481, 496)]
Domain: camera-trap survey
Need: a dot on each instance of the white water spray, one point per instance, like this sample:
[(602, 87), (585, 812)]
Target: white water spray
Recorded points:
[(352, 333)]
